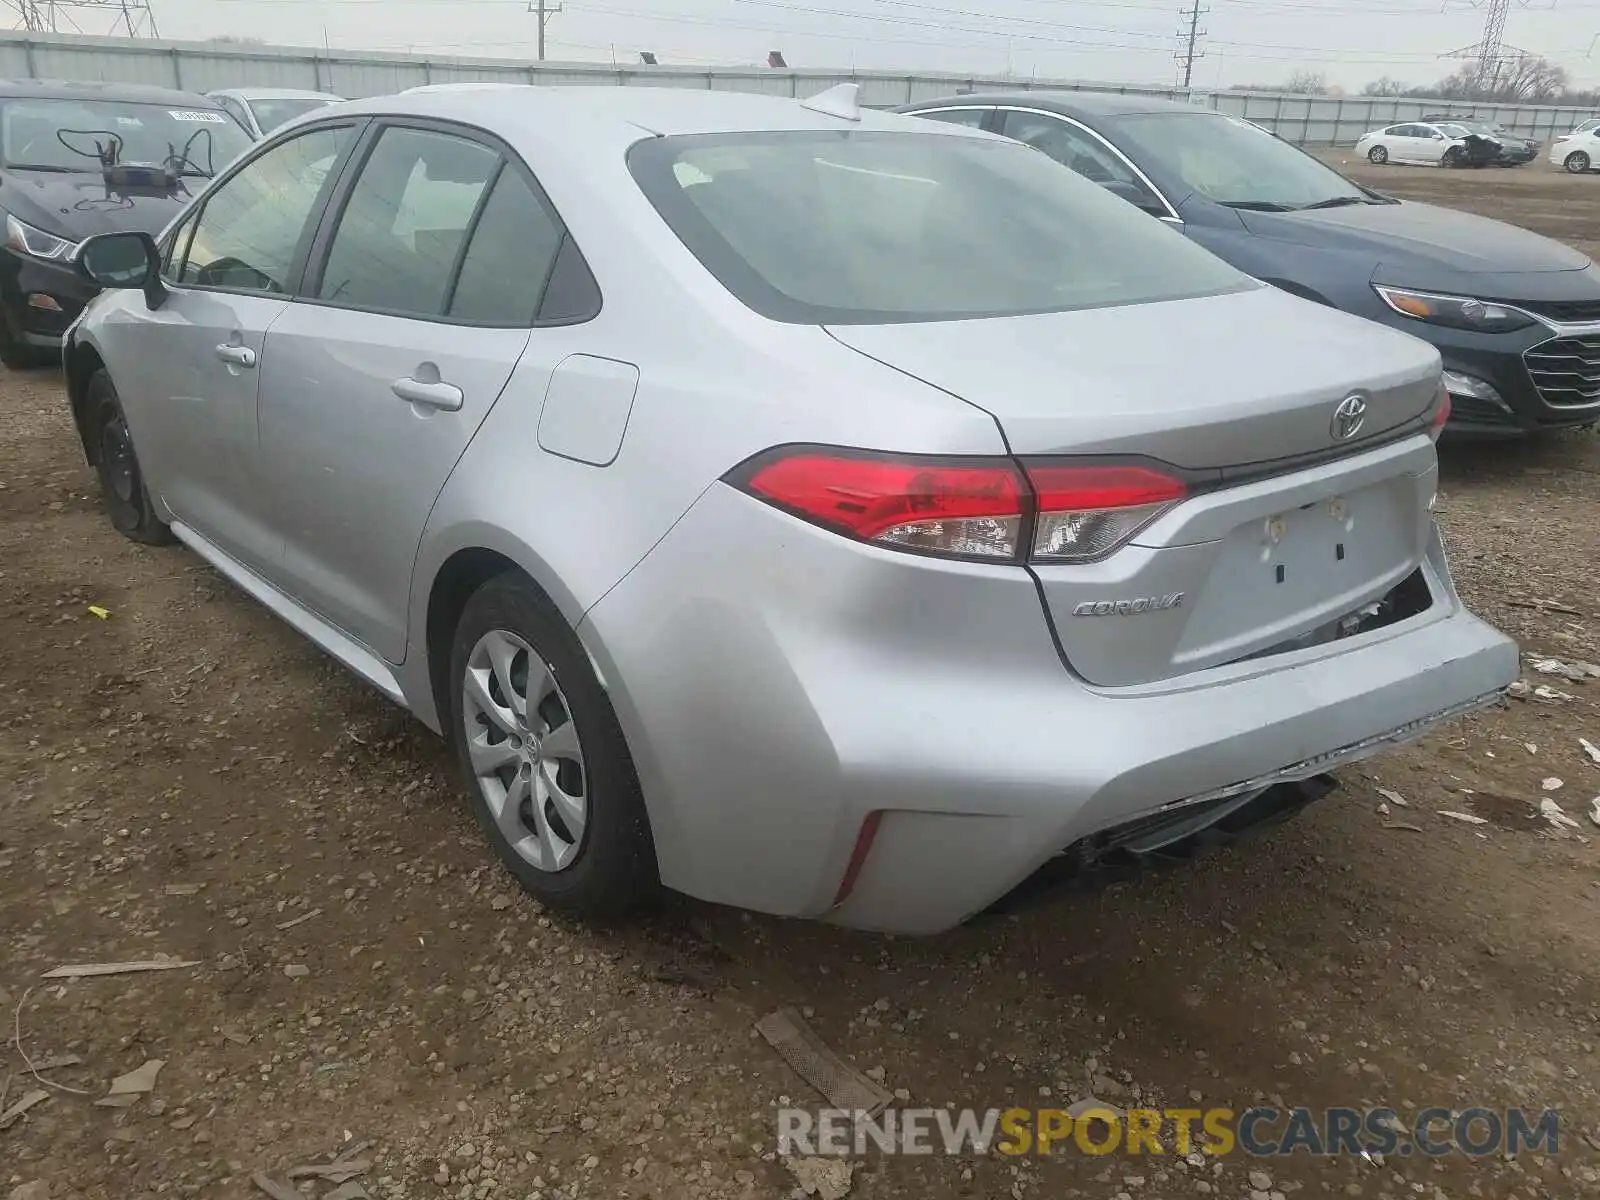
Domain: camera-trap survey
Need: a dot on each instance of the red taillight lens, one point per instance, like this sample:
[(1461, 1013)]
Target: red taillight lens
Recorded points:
[(1441, 415), (971, 508), (939, 507), (1085, 512)]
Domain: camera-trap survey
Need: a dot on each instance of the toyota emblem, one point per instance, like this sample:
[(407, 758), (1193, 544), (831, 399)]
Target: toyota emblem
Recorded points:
[(1348, 418)]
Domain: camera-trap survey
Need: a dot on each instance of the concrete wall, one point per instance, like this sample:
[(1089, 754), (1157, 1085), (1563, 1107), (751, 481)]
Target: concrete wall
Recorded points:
[(202, 66)]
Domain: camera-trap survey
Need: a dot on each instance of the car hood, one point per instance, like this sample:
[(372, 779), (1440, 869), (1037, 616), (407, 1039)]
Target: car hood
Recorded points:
[(79, 205), (1420, 238)]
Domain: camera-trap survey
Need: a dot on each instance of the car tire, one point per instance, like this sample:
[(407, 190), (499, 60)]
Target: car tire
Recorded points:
[(127, 498), (579, 837), (1453, 157), (1377, 156), (1577, 163)]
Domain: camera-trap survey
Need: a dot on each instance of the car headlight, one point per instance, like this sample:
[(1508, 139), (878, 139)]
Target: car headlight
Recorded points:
[(36, 243), (1456, 312)]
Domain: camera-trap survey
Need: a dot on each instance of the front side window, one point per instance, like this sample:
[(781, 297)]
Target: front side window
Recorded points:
[(80, 135), (1234, 163), (406, 221), (249, 230), (868, 227), (1073, 148)]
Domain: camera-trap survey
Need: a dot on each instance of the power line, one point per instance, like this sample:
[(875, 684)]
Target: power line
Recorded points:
[(1187, 53)]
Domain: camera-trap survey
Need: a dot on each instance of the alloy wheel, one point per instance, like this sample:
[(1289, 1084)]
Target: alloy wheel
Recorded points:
[(525, 751)]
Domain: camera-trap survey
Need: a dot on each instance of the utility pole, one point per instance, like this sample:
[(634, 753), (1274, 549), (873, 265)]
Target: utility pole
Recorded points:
[(545, 11), (1189, 35)]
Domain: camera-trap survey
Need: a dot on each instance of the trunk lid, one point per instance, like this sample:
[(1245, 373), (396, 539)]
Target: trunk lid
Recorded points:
[(1215, 382), (1288, 530)]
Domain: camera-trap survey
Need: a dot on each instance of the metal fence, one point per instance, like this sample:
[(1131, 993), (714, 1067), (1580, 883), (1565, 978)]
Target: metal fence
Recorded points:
[(203, 66)]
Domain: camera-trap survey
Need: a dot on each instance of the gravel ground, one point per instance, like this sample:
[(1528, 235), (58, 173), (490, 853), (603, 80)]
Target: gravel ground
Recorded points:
[(187, 778)]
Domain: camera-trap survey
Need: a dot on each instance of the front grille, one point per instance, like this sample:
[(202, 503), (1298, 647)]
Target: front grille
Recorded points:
[(1566, 370), (1568, 312)]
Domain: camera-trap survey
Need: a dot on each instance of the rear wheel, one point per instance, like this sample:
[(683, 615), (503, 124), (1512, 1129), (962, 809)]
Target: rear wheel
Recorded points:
[(127, 499), (552, 783), (1576, 164), (1377, 156)]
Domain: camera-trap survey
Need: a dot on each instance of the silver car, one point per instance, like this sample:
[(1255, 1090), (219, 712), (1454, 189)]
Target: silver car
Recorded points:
[(809, 509), (261, 110)]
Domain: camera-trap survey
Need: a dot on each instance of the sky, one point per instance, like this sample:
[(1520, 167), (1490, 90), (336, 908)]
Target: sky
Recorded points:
[(1245, 42)]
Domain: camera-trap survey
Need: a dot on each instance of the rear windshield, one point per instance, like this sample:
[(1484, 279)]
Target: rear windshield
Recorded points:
[(856, 227), (279, 110)]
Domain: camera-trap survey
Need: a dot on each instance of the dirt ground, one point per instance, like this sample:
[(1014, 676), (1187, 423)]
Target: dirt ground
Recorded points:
[(188, 778)]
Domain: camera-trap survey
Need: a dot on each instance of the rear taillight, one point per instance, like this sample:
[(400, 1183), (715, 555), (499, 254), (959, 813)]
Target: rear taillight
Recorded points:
[(1086, 512), (1441, 415), (988, 508)]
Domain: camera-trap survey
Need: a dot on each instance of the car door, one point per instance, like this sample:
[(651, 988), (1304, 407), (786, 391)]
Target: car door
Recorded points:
[(421, 301), (1086, 153), (188, 369), (1431, 143)]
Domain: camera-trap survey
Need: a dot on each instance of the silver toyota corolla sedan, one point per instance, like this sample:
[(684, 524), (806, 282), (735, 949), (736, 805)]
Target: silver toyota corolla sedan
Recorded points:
[(809, 509)]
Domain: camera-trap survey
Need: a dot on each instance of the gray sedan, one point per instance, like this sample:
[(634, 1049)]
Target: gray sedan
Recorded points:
[(809, 509)]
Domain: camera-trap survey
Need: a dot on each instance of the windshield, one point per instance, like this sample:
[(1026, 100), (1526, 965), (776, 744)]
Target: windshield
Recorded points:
[(1234, 163), (72, 135), (858, 227), (272, 113)]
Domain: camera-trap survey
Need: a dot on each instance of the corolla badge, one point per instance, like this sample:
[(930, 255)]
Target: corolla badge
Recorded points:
[(1348, 418)]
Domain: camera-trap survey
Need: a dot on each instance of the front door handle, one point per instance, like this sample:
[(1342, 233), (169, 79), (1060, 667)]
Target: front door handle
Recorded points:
[(238, 356), (446, 396)]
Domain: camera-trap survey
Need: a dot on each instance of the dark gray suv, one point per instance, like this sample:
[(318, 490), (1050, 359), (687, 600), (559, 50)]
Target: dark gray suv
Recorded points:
[(1515, 316)]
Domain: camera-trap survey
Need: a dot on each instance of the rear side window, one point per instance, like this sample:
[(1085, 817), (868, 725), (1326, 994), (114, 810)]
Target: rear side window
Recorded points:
[(971, 117), (868, 227), (513, 248), (406, 221)]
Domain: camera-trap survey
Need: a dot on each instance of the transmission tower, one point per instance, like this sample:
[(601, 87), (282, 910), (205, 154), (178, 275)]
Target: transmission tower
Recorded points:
[(1490, 54), (1189, 35), (133, 18)]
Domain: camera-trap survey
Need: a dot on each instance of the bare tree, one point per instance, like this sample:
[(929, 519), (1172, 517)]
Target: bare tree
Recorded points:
[(1388, 87), (1307, 83)]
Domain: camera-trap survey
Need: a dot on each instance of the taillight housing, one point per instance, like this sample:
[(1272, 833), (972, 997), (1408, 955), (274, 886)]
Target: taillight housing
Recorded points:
[(1441, 414), (988, 509)]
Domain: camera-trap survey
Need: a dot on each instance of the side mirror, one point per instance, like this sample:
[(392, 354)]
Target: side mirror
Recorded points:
[(1135, 196), (124, 261)]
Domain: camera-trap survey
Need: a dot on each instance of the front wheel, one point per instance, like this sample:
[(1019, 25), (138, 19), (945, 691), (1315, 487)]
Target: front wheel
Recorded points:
[(552, 782), (1453, 157), (1576, 164), (127, 499), (1377, 156)]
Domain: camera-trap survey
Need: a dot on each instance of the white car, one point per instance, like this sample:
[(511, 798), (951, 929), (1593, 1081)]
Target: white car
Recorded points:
[(1579, 150), (261, 110), (1413, 142)]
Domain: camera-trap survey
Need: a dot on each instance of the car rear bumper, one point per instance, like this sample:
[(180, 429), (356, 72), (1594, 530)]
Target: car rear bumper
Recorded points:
[(779, 686)]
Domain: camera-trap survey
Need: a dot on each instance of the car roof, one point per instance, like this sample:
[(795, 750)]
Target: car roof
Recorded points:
[(267, 93), (1075, 103), (626, 110), (132, 93)]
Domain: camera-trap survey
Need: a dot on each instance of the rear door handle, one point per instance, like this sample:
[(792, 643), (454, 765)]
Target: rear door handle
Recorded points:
[(238, 356), (446, 396)]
